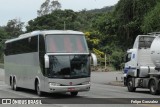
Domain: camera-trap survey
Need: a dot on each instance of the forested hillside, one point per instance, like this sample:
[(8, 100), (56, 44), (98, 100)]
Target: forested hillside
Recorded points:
[(109, 30), (104, 9)]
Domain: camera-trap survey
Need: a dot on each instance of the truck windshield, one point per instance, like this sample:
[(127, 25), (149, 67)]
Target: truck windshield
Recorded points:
[(145, 41), (66, 44)]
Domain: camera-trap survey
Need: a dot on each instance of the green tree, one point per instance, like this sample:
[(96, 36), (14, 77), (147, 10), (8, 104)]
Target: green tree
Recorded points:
[(55, 5), (3, 37), (117, 58), (14, 27), (129, 16), (111, 30), (48, 7), (11, 30), (80, 21), (151, 20)]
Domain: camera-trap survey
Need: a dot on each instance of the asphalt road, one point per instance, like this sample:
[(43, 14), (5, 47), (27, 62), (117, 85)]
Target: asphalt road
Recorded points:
[(99, 91)]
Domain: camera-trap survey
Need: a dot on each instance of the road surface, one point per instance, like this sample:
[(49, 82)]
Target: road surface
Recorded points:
[(98, 90)]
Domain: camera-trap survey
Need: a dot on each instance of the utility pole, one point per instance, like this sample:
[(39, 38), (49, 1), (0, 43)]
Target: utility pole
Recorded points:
[(105, 60)]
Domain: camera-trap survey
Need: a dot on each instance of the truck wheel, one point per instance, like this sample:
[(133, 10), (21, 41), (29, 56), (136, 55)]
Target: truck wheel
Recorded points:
[(38, 91), (130, 86), (74, 93), (153, 88)]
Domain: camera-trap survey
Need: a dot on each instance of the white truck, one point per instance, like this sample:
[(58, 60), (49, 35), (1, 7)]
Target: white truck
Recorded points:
[(142, 67)]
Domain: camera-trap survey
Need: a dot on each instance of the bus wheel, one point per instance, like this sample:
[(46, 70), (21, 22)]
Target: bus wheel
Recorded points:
[(15, 85), (153, 87), (130, 86), (74, 93), (12, 84), (39, 92)]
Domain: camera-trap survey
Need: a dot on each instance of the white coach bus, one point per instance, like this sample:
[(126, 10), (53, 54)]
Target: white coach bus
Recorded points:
[(48, 61)]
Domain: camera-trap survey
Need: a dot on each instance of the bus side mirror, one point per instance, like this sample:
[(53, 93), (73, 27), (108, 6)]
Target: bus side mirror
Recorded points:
[(94, 57), (46, 61)]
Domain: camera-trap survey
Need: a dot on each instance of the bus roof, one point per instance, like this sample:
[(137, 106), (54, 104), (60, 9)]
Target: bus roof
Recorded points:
[(44, 32)]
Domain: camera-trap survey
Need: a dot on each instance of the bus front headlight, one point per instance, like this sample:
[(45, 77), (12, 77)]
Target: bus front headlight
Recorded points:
[(52, 84), (87, 82)]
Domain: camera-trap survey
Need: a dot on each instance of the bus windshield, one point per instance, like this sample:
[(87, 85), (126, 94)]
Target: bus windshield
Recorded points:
[(73, 66), (66, 44)]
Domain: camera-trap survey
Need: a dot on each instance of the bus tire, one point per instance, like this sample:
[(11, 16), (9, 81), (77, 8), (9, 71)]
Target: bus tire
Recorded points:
[(10, 81), (15, 85), (130, 86), (12, 85), (38, 91), (74, 93), (153, 87)]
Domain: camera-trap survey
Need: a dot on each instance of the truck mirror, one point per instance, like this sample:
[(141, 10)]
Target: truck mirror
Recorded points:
[(94, 57), (46, 61)]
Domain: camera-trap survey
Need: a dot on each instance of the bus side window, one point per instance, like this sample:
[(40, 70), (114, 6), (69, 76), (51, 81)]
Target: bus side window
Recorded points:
[(33, 44), (42, 53)]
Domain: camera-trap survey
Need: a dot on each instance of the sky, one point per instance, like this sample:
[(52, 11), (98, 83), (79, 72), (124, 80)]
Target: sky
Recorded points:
[(26, 10)]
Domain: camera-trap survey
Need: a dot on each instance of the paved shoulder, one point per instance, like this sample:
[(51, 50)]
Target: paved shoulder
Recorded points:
[(106, 77)]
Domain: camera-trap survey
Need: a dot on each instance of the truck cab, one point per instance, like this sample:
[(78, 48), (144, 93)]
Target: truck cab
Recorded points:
[(138, 56), (131, 63), (138, 63)]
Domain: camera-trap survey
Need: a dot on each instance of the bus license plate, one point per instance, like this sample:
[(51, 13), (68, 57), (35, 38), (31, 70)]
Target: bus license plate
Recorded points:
[(71, 89)]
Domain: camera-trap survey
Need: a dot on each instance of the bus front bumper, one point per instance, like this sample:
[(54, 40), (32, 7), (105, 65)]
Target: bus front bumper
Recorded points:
[(78, 88)]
